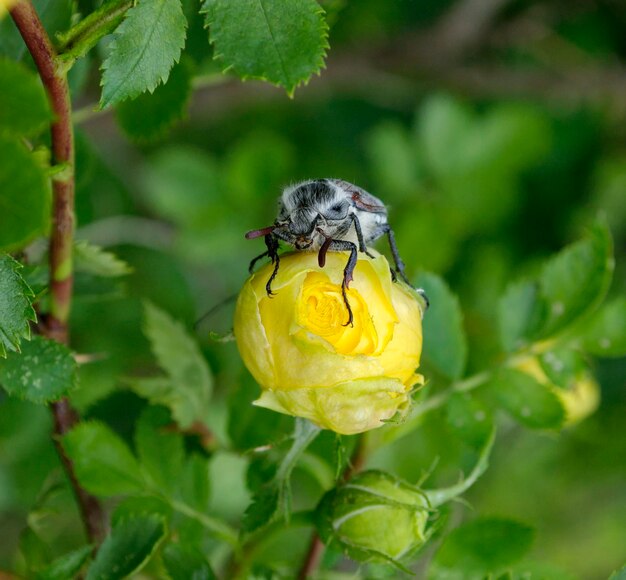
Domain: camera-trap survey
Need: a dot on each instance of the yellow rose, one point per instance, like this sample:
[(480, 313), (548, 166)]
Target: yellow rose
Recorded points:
[(580, 400), (345, 378)]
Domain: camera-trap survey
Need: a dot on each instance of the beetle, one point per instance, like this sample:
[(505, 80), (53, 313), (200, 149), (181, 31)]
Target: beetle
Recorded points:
[(329, 214)]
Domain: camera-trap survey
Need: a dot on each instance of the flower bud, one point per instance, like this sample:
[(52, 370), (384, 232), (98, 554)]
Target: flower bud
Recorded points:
[(296, 344), (580, 398), (374, 516)]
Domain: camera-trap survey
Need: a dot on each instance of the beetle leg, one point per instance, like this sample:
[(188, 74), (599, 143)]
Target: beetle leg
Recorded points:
[(400, 267), (343, 245), (359, 235), (272, 251), (255, 260)]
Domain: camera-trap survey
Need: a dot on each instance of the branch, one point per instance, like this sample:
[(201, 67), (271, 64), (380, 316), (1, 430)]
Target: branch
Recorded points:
[(82, 37), (62, 232), (316, 547)]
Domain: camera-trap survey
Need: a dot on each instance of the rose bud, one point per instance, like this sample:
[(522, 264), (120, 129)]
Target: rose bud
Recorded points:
[(374, 517), (309, 363)]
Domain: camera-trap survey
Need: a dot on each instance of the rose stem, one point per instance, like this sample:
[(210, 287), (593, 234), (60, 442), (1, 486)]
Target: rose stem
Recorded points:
[(54, 79), (316, 546)]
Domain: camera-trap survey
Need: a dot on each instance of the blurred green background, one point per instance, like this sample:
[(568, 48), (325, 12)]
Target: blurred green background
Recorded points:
[(494, 130)]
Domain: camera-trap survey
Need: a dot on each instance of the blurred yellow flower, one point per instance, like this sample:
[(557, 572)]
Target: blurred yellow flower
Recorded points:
[(345, 378), (580, 400)]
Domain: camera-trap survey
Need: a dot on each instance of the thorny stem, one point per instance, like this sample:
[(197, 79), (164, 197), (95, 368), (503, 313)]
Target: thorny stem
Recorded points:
[(62, 232), (316, 547)]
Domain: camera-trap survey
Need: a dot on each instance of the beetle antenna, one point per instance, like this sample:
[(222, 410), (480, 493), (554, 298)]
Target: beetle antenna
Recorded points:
[(259, 233), (213, 310)]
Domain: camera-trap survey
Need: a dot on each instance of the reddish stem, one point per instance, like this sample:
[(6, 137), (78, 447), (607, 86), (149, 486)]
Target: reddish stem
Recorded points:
[(61, 238), (316, 547)]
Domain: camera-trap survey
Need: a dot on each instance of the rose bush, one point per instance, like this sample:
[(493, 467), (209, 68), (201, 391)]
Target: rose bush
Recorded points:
[(309, 363)]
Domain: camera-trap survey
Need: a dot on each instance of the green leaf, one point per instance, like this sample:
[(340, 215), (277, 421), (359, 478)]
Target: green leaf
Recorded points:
[(520, 315), (92, 259), (531, 403), (160, 450), (442, 122), (182, 185), (469, 418), (195, 483), (103, 463), (144, 49), (563, 366), (25, 200), (484, 546), (263, 509), (274, 497), (281, 41), (24, 108), (186, 563), (575, 280), (128, 548), (15, 306), (66, 566), (43, 372), (619, 574), (605, 334), (141, 505), (188, 385), (150, 116), (437, 497), (445, 343), (393, 158)]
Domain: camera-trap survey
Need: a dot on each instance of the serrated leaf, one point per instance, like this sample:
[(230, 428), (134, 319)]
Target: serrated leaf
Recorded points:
[(43, 372), (605, 334), (576, 279), (150, 116), (66, 566), (16, 308), (520, 314), (263, 509), (92, 259), (281, 41), (484, 546), (188, 386), (161, 451), (24, 108), (102, 462), (144, 49), (469, 418), (445, 343), (25, 195), (531, 403), (128, 548), (186, 563)]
